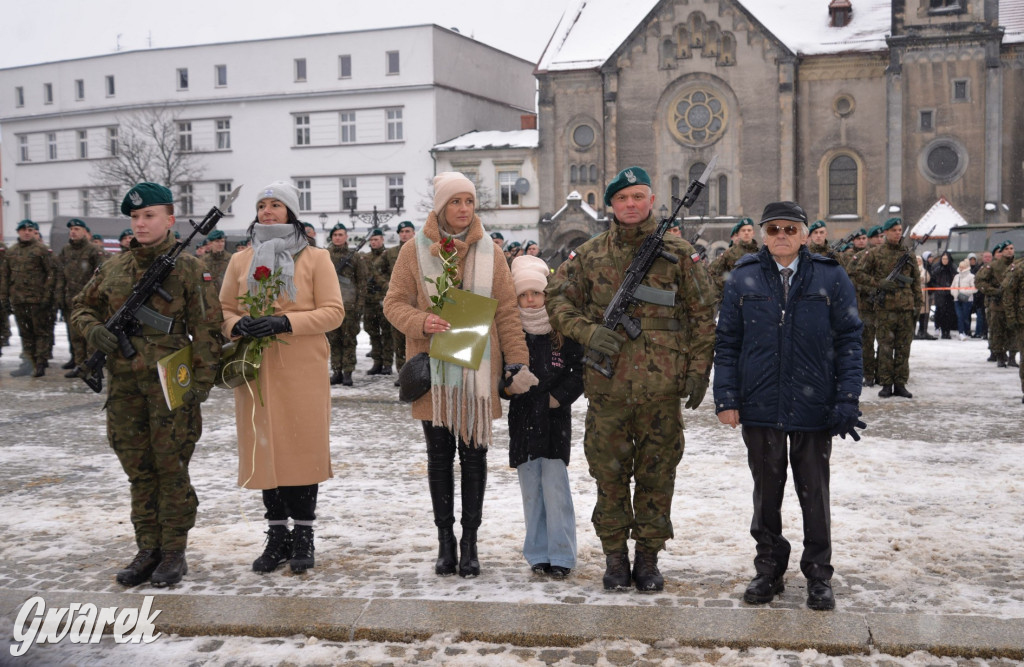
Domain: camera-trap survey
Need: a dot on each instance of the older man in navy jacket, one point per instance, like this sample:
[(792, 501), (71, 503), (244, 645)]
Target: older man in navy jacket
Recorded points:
[(788, 368)]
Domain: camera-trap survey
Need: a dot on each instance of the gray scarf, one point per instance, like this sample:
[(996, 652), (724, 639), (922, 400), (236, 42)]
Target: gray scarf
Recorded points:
[(275, 246)]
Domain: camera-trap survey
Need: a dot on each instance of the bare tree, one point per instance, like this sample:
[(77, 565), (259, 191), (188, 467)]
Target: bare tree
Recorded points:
[(146, 148), (484, 197)]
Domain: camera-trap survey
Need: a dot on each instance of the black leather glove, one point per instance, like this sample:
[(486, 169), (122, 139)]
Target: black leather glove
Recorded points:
[(261, 327), (198, 393), (845, 417), (606, 341), (101, 339), (695, 388), (241, 327)]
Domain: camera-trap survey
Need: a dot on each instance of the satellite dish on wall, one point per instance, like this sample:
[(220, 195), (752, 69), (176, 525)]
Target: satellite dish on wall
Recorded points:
[(522, 186)]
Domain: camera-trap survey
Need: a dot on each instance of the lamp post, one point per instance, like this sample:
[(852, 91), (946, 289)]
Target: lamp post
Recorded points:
[(323, 221), (375, 218)]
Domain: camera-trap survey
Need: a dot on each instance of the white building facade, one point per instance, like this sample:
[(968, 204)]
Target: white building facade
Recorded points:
[(349, 118)]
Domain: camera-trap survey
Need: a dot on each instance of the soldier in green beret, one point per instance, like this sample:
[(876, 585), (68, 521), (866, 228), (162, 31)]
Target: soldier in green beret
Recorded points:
[(406, 231), (817, 240), (634, 425), (741, 243), (5, 307), (153, 443), (215, 260), (374, 323), (675, 228), (77, 262), (125, 239), (498, 239), (28, 285), (513, 249), (310, 231), (989, 281), (352, 275)]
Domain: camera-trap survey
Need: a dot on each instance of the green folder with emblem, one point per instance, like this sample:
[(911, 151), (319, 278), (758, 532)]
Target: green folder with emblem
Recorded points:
[(471, 316), (175, 372)]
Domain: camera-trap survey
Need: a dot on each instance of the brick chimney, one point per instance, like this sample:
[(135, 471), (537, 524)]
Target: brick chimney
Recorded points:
[(528, 122), (840, 12)]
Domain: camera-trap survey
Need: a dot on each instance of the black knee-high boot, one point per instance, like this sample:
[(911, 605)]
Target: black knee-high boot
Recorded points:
[(441, 480), (474, 480)]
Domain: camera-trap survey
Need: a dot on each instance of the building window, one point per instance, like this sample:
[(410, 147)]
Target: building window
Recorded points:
[(391, 58), (23, 146), (110, 85), (945, 6), (574, 173), (54, 204), (396, 192), (182, 78), (347, 127), (394, 124), (19, 96), (583, 136), (943, 161), (344, 67), (51, 145), (961, 91), (348, 193), (842, 186), (305, 195), (927, 121), (507, 188), (185, 202), (698, 117), (844, 105), (593, 173), (591, 199), (79, 89), (700, 207), (112, 140), (223, 190), (83, 202), (26, 205), (673, 186), (223, 134), (47, 93), (723, 195), (185, 137), (83, 144), (220, 76), (300, 69), (302, 130)]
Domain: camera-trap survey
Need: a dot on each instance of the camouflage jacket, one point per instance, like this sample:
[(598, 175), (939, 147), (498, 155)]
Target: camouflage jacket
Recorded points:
[(216, 264), (1013, 294), (194, 306), (724, 263), (30, 275), (875, 266), (677, 340), (864, 291), (379, 266), (823, 249), (352, 277), (77, 262), (989, 281)]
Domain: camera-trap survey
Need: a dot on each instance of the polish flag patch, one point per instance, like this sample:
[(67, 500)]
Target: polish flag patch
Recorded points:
[(572, 254), (207, 277), (695, 257)]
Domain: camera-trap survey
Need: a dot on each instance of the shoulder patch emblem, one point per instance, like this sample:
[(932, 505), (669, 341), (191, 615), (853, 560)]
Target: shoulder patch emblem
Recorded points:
[(695, 257), (207, 277), (572, 254)]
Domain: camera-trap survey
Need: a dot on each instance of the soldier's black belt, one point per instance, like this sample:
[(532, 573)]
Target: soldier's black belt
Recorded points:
[(660, 324)]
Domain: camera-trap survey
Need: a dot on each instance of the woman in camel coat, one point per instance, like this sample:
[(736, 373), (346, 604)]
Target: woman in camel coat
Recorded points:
[(284, 443), (457, 411)]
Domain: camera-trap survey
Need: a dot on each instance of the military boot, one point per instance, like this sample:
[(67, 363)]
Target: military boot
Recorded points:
[(385, 370), (26, 368), (646, 574), (346, 379), (40, 370), (170, 570), (900, 390), (1012, 361), (302, 549), (140, 569), (992, 357), (277, 551), (336, 377), (68, 366), (886, 391), (616, 573), (375, 369), (73, 373), (1001, 360)]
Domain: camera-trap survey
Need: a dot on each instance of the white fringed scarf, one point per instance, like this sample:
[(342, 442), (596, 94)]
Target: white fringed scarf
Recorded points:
[(275, 246)]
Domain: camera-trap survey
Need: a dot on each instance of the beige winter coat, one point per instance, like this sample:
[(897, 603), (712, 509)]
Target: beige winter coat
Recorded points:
[(293, 425), (406, 306)]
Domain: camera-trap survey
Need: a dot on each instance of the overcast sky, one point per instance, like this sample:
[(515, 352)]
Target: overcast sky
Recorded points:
[(48, 30)]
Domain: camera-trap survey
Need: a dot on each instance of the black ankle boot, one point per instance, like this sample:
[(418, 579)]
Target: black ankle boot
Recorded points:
[(302, 549), (277, 552), (447, 556), (469, 564)]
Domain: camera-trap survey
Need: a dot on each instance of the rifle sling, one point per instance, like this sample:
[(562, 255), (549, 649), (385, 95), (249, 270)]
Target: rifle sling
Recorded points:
[(156, 323)]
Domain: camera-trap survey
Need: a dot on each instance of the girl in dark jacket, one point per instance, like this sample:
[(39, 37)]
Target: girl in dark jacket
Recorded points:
[(942, 276), (540, 428)]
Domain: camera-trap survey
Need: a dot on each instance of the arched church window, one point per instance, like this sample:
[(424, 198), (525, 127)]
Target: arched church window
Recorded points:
[(842, 186)]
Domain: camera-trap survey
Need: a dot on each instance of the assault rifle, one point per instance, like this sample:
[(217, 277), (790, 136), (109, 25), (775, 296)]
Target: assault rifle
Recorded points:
[(845, 242), (896, 275), (134, 312), (347, 258), (701, 250), (653, 247)]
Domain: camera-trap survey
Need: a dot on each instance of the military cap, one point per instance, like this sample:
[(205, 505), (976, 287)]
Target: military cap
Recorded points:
[(783, 210), (674, 224), (25, 223), (890, 223), (215, 235), (75, 222), (740, 225), (526, 246), (376, 232), (126, 232), (145, 194), (338, 226), (874, 231), (497, 235), (176, 234), (862, 232), (405, 224), (97, 237), (996, 248), (512, 245), (817, 224), (627, 177)]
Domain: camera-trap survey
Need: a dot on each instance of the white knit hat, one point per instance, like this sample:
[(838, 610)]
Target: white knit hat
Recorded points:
[(447, 184), (284, 192), (529, 272)]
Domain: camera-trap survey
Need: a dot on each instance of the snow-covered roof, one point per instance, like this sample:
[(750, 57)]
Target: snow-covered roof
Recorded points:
[(575, 196), (591, 30), (940, 218), (479, 140)]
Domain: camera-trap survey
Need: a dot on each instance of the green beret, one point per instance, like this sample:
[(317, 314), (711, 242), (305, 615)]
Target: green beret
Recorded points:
[(874, 231), (497, 235), (308, 224), (376, 232), (97, 237), (999, 246), (817, 224), (25, 223), (75, 222), (512, 245), (338, 226), (126, 232), (675, 224), (740, 225), (145, 194), (176, 234), (862, 232), (526, 246), (215, 235), (890, 223), (627, 177), (405, 224)]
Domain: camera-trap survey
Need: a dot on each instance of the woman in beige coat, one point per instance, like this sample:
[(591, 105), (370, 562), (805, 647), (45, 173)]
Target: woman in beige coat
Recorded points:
[(283, 441), (457, 411)]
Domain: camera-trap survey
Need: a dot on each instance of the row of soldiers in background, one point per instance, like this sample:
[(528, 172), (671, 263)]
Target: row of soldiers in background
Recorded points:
[(514, 249), (1002, 283)]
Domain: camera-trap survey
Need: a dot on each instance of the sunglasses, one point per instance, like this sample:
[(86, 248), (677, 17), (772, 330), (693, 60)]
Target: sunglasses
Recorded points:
[(773, 230)]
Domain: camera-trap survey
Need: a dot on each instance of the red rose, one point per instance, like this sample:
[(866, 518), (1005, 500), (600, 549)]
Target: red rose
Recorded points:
[(447, 245), (262, 273)]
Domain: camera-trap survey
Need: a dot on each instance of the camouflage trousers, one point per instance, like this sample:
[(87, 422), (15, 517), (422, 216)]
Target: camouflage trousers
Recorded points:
[(154, 446), (79, 353), (641, 442), (867, 341), (1000, 338), (35, 326), (343, 343), (5, 324), (381, 344), (895, 331)]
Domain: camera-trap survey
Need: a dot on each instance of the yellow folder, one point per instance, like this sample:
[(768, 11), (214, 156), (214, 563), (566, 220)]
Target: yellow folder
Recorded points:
[(175, 372), (471, 317)]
